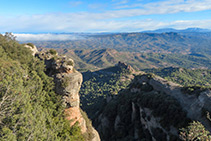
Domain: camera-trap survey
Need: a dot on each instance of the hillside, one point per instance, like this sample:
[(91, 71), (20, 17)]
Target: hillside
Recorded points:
[(186, 77), (102, 58), (34, 106), (99, 85)]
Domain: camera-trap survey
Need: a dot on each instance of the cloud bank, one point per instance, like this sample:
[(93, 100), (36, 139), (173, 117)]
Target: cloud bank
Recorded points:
[(46, 37)]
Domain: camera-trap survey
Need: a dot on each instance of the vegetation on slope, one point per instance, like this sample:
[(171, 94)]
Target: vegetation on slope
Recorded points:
[(29, 107), (165, 108), (147, 114), (97, 86), (185, 77), (195, 131)]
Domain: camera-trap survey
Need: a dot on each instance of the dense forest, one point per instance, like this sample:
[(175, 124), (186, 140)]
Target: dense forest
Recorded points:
[(99, 85), (29, 107)]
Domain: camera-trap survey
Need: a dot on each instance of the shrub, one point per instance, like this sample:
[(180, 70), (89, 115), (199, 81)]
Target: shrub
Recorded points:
[(195, 131), (30, 44), (52, 51), (70, 63)]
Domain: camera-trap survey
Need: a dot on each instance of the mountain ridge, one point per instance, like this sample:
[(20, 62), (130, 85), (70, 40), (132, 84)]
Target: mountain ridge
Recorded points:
[(163, 30), (93, 59)]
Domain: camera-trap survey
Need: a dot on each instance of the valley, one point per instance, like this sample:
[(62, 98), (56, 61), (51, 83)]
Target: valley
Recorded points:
[(140, 50), (108, 70)]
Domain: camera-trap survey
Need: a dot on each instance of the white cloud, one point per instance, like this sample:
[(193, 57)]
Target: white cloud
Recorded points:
[(168, 6), (117, 2), (46, 37), (108, 20), (115, 26), (75, 3)]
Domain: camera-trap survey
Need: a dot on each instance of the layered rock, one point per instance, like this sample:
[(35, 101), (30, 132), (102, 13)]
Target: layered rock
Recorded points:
[(67, 83)]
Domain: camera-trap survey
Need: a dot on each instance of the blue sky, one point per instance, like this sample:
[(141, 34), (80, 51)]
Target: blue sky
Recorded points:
[(102, 15)]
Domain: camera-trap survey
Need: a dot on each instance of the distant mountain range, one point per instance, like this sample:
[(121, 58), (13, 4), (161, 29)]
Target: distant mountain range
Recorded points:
[(171, 42), (94, 59), (190, 48), (188, 30)]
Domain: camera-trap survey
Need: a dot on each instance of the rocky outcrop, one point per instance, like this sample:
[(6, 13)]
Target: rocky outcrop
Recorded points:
[(125, 66), (152, 109), (67, 83), (32, 47), (193, 104)]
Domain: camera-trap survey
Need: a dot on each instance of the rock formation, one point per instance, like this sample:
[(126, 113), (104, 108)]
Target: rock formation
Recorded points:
[(193, 104), (67, 83), (153, 109), (32, 47), (126, 67)]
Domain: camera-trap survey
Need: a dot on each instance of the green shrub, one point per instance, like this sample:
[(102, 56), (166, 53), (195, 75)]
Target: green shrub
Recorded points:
[(88, 135), (65, 82), (193, 90), (195, 132), (53, 51), (70, 63), (30, 44)]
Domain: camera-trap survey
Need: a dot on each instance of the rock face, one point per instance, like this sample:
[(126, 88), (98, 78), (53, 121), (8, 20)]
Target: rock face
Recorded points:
[(126, 67), (152, 109), (67, 83), (193, 104)]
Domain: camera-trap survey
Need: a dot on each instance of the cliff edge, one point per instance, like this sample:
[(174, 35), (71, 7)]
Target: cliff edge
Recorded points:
[(67, 83)]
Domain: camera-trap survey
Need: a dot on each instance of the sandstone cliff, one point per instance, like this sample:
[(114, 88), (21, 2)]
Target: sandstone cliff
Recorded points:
[(153, 109), (67, 83)]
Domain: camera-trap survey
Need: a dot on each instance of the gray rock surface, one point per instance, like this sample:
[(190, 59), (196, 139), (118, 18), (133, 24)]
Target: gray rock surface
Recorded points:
[(68, 85)]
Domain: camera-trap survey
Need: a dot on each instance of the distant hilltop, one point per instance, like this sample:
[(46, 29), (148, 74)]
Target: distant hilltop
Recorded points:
[(164, 30)]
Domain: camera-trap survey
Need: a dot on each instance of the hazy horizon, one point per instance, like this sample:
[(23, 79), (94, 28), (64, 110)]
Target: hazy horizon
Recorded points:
[(52, 36)]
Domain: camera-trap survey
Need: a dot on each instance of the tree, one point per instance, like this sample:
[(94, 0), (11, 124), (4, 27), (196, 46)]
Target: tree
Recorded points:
[(195, 132)]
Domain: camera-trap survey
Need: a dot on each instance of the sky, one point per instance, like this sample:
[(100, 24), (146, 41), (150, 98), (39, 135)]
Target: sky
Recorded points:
[(59, 16)]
